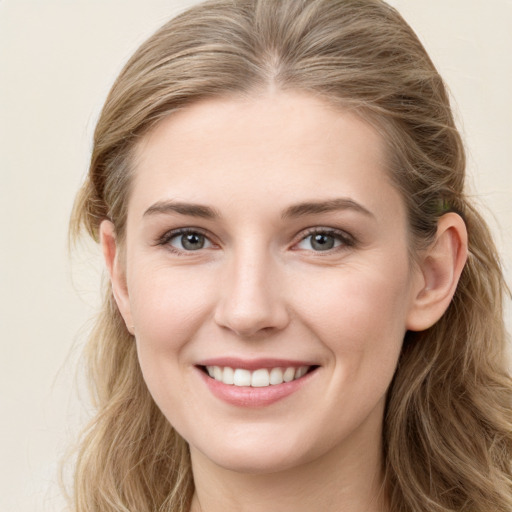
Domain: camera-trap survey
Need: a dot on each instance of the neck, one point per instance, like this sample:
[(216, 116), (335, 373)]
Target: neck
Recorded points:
[(341, 480)]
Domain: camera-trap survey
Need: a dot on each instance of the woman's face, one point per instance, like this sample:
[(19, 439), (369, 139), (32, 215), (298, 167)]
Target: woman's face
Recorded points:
[(266, 246)]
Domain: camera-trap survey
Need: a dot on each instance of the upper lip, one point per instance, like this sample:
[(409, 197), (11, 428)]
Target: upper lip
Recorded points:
[(253, 364)]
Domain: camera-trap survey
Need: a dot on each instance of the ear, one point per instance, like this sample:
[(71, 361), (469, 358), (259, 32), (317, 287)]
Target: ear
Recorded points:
[(440, 268), (116, 271)]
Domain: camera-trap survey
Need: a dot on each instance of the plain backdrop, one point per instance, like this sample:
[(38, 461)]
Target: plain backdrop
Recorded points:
[(58, 59)]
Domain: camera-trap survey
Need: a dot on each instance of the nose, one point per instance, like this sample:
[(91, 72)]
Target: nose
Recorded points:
[(252, 300)]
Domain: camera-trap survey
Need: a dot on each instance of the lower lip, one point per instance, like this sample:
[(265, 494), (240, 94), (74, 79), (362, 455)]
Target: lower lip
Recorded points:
[(246, 396)]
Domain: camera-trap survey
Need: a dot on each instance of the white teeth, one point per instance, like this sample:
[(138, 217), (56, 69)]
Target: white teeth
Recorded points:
[(289, 374), (242, 377), (228, 375), (301, 372), (258, 378), (276, 376), (217, 373)]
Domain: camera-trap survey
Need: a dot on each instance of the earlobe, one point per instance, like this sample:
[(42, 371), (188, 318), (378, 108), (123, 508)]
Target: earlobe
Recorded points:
[(440, 267), (116, 271)]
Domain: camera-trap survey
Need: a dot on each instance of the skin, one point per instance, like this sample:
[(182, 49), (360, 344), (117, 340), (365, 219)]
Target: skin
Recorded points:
[(259, 288)]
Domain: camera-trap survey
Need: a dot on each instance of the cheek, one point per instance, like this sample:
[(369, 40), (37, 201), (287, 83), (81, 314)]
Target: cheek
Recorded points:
[(168, 306), (360, 311), (359, 316)]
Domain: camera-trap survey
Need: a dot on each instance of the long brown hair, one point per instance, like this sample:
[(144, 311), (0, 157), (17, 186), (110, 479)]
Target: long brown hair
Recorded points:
[(448, 423)]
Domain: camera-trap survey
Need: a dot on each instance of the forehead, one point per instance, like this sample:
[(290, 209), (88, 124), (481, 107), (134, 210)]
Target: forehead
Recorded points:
[(290, 144)]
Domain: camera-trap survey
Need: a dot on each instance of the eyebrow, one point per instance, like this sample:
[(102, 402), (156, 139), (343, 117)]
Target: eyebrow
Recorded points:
[(190, 209), (294, 211), (318, 207)]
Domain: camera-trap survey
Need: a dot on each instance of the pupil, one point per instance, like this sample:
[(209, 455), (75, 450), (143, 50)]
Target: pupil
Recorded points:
[(322, 242), (192, 241)]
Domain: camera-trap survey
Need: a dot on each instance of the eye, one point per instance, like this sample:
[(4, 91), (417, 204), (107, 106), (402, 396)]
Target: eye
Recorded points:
[(186, 240), (324, 240)]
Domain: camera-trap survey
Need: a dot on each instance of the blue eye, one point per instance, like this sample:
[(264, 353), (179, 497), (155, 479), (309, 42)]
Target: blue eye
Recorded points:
[(188, 241), (323, 241)]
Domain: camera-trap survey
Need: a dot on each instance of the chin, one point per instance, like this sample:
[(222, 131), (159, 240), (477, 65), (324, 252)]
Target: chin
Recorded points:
[(255, 463), (258, 456)]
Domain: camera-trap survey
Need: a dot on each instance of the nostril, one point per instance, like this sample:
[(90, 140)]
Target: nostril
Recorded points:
[(252, 309)]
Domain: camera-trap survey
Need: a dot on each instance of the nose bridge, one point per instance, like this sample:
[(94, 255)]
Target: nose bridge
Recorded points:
[(252, 299)]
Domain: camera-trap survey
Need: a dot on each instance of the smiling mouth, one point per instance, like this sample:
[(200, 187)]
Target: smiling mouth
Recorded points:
[(260, 378)]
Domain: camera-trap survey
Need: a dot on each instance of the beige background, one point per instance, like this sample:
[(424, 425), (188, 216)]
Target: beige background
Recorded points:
[(57, 61)]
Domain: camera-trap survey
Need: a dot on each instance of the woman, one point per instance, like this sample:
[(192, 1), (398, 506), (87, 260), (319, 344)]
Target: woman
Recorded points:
[(304, 308)]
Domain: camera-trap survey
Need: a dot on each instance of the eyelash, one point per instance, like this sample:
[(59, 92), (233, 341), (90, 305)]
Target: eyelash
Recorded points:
[(346, 240), (166, 238)]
